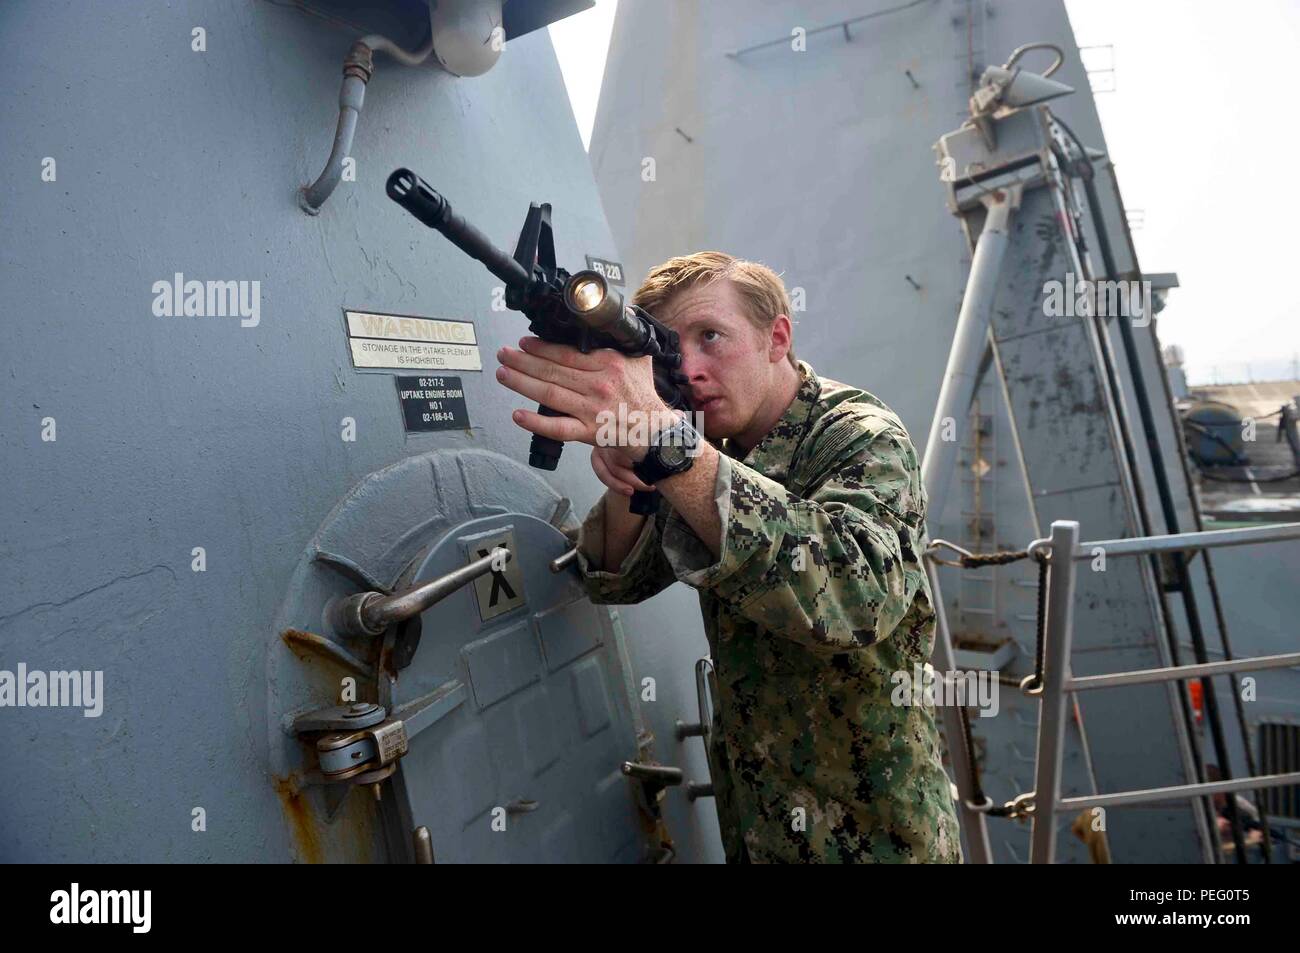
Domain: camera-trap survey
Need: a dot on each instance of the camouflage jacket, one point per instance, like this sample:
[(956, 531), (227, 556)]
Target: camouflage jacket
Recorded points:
[(817, 598)]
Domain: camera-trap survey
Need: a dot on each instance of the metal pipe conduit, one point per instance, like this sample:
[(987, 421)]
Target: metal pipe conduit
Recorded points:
[(358, 67)]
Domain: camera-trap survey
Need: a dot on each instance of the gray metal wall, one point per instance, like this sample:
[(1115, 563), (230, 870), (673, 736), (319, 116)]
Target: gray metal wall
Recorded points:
[(174, 433), (819, 164)]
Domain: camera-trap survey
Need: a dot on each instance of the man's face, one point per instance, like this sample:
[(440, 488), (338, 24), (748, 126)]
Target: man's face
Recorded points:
[(726, 358)]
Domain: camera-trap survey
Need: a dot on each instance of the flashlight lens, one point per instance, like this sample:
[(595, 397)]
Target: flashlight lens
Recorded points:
[(588, 294)]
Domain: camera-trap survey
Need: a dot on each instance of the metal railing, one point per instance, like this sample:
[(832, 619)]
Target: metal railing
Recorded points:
[(1046, 801)]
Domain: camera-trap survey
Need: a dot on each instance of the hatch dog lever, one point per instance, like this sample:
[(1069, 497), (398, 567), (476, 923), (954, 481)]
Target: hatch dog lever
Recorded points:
[(655, 777), (371, 613)]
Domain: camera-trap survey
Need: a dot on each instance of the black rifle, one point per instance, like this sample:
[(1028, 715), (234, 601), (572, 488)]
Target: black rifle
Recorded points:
[(580, 310)]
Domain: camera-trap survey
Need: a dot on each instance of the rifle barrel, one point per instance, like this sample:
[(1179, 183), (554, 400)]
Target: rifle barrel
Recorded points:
[(420, 199)]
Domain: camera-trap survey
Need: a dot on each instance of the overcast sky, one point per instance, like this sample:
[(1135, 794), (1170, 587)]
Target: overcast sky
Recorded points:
[(1202, 128)]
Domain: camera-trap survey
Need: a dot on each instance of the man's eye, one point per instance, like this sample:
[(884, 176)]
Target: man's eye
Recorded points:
[(716, 335)]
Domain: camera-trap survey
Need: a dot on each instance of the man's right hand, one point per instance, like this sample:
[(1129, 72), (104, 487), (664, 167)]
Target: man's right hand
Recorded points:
[(613, 467)]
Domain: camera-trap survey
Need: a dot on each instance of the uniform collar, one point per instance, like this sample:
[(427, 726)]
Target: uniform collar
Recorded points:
[(772, 456)]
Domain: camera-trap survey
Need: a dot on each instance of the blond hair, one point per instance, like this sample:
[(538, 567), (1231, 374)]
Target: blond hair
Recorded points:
[(759, 287)]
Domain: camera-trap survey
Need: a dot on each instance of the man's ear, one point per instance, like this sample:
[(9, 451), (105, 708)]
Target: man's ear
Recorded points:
[(779, 339)]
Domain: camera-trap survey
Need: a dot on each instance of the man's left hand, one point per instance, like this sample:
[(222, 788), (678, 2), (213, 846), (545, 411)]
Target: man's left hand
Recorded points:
[(583, 387)]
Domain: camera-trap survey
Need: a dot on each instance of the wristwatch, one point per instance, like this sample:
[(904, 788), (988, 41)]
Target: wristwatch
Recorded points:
[(671, 451)]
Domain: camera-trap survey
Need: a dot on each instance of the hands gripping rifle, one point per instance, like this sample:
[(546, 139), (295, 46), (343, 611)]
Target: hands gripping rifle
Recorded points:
[(580, 310)]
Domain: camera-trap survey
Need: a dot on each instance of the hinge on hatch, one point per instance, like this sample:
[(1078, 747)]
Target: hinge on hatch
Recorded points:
[(354, 744)]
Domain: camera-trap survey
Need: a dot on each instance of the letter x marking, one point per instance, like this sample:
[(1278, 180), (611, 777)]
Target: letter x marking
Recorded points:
[(498, 583)]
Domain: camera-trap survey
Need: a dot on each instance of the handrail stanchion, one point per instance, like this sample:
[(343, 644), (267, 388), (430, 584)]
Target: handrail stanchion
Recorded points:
[(974, 830), (1052, 704), (970, 341)]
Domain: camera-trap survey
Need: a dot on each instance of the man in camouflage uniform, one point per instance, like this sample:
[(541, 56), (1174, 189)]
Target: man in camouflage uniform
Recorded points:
[(801, 524)]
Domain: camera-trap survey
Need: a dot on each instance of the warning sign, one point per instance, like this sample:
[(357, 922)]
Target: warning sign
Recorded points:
[(407, 342)]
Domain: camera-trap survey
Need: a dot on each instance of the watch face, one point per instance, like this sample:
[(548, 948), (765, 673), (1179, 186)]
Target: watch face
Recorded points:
[(673, 455)]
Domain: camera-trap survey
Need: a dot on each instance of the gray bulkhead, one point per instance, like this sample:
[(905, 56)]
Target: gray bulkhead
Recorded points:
[(716, 130), (175, 433)]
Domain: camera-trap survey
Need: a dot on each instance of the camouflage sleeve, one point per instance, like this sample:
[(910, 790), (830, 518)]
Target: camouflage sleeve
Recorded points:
[(644, 571), (834, 571)]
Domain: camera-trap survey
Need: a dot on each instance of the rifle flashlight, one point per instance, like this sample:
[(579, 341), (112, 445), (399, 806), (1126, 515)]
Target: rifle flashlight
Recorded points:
[(600, 308)]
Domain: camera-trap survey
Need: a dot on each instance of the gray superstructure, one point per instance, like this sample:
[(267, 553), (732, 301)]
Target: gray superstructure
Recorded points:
[(803, 136)]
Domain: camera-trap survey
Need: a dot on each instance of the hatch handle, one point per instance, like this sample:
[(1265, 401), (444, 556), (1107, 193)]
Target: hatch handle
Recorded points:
[(371, 613)]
